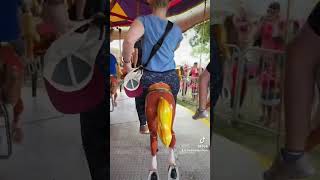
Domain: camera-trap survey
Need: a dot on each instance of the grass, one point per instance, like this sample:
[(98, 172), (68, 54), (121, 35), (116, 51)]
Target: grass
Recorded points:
[(187, 104)]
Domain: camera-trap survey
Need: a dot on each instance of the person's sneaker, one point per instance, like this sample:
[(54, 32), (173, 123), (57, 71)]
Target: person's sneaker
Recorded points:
[(282, 170), (200, 114), (144, 129)]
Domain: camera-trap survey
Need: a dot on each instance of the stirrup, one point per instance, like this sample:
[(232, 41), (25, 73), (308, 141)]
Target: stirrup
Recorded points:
[(171, 174), (153, 175)]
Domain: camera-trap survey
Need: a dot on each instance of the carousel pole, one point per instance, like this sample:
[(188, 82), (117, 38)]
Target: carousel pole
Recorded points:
[(120, 51), (280, 115)]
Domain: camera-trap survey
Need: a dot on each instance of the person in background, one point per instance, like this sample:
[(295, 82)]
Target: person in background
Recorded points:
[(181, 79), (271, 30), (194, 74), (204, 81), (302, 61), (185, 80), (94, 122), (243, 27), (233, 38), (213, 71)]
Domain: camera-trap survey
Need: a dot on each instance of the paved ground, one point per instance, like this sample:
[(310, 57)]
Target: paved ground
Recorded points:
[(130, 154), (232, 162), (52, 148)]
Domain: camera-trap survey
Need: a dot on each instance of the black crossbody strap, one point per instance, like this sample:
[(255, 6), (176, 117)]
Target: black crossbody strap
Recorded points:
[(157, 46)]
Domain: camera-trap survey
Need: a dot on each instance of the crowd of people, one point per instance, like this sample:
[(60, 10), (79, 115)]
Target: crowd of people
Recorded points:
[(301, 66), (268, 32)]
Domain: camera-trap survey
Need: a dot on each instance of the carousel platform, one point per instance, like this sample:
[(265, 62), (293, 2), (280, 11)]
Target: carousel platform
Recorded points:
[(52, 147), (130, 150), (130, 154), (231, 161)]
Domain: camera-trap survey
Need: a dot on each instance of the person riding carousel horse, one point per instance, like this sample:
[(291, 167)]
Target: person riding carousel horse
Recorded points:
[(159, 84)]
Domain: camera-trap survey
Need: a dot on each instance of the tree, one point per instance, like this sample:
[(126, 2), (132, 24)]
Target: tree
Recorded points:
[(200, 42)]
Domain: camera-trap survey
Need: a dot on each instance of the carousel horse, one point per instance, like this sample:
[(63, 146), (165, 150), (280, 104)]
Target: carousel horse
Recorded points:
[(11, 78), (160, 112), (113, 89), (114, 84)]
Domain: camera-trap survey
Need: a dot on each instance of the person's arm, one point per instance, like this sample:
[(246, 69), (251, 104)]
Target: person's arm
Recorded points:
[(135, 57), (135, 32)]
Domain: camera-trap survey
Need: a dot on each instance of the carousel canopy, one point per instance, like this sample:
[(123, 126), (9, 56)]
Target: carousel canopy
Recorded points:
[(123, 12), (185, 13)]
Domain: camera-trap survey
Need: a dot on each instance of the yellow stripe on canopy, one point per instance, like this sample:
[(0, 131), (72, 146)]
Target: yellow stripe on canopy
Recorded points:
[(117, 10)]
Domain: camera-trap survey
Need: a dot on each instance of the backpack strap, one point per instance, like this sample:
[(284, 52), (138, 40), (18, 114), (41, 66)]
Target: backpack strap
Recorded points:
[(157, 46)]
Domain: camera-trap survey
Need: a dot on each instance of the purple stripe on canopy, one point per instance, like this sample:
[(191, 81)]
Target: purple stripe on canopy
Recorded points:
[(130, 7)]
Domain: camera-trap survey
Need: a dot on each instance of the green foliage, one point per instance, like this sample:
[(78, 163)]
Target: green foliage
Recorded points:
[(200, 42)]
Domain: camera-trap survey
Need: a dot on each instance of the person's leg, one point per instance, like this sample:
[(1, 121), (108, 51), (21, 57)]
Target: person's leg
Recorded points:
[(203, 89), (185, 87), (203, 95), (298, 96), (193, 90), (95, 139), (140, 107), (146, 80)]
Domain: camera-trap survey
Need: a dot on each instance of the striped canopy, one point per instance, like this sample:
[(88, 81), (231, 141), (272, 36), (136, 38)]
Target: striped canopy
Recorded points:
[(123, 12)]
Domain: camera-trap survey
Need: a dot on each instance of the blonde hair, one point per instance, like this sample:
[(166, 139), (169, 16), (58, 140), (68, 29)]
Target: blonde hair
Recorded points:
[(159, 3)]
